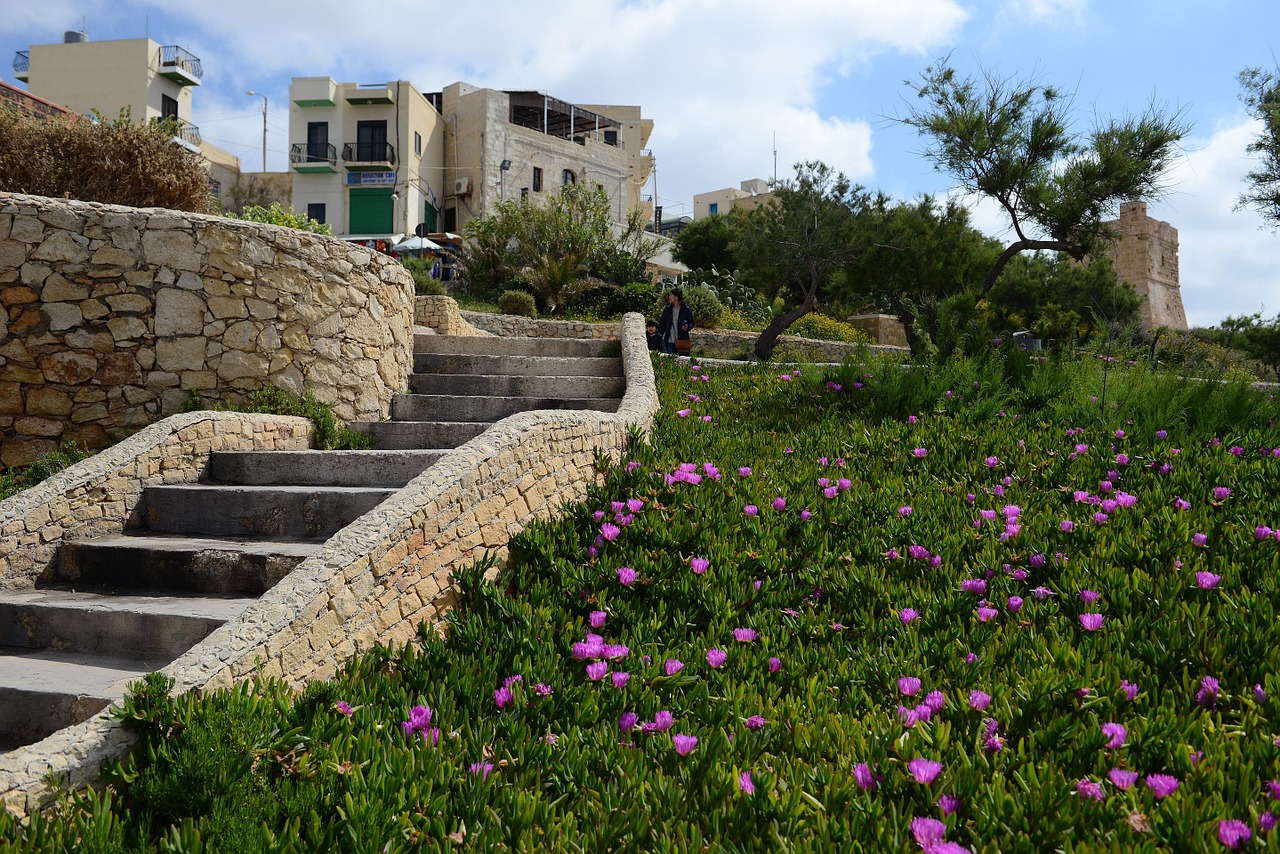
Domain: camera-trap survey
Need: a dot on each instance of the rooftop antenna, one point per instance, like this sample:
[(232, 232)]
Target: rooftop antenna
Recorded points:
[(775, 157)]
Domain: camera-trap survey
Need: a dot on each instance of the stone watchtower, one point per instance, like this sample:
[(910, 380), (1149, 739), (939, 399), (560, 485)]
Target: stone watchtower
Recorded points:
[(1146, 256)]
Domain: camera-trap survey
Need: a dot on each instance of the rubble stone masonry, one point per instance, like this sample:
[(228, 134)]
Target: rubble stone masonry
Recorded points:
[(1146, 256)]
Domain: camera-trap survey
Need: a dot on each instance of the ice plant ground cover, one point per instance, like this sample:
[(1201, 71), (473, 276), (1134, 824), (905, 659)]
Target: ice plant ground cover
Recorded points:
[(985, 605)]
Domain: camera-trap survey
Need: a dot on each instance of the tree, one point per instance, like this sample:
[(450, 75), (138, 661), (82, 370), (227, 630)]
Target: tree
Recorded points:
[(704, 244), (793, 245), (918, 255), (1009, 140), (1261, 93), (1060, 299)]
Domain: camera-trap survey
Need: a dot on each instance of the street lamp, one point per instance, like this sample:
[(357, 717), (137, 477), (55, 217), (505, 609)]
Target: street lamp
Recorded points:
[(503, 168), (264, 126)]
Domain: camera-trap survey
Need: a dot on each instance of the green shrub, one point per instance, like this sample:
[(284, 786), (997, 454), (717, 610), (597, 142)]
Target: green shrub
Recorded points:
[(424, 284), (637, 296), (14, 481), (115, 161), (330, 434), (706, 309), (732, 318), (823, 328), (277, 215), (519, 303)]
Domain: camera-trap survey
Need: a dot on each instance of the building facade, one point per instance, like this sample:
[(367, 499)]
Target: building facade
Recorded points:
[(1146, 256), (750, 194)]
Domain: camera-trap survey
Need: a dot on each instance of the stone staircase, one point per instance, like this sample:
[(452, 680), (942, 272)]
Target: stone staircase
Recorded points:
[(194, 556)]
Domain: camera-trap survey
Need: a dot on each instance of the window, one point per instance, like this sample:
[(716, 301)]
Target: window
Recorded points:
[(371, 141), (537, 179), (450, 220), (713, 208), (611, 137), (317, 141), (567, 177), (168, 107), (524, 192), (215, 188), (316, 212), (417, 143)]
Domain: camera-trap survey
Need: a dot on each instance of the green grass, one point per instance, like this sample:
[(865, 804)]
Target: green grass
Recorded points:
[(330, 434), (823, 580), (14, 481)]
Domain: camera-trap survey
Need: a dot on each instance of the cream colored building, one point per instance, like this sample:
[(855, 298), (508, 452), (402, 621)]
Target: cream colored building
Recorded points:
[(368, 159), (750, 194)]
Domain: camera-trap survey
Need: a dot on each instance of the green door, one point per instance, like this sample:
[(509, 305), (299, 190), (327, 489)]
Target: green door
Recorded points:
[(370, 210), (430, 217)]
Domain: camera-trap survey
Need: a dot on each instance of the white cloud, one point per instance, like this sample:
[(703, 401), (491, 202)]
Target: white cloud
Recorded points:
[(1047, 11)]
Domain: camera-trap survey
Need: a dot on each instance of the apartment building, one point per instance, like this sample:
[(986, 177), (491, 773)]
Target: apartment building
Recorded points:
[(750, 194), (379, 161)]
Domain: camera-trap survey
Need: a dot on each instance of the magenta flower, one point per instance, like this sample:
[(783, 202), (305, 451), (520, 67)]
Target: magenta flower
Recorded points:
[(1015, 604), (904, 512), (830, 492), (1088, 597), (775, 664), (1259, 693), (1233, 833), (906, 615), (502, 696), (920, 452), (699, 565), (597, 618), (1207, 580), (1261, 532), (1116, 733), (1088, 789), (1092, 622), (684, 744), (1066, 525), (992, 462), (635, 505), (716, 657), (863, 776), (745, 471), (948, 804), (804, 515), (1041, 592), (907, 716), (595, 671), (1221, 493), (620, 679), (1130, 689), (481, 768), (683, 413), (935, 700), (986, 613), (542, 689), (626, 576), (924, 770), (662, 722), (1198, 539), (1181, 504), (745, 785), (779, 503), (1122, 779), (610, 531), (909, 685), (627, 722), (673, 666), (755, 723), (927, 831), (345, 708), (744, 635), (1208, 693), (1162, 785), (979, 700), (751, 510), (974, 585)]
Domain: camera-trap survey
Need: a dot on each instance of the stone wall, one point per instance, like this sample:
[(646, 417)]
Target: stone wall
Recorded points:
[(441, 314), (1146, 256), (880, 328), (112, 316), (383, 575), (95, 497), (510, 325)]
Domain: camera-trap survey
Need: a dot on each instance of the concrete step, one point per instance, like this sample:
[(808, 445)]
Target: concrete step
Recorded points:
[(223, 567), (516, 366), (306, 512), (42, 691), (427, 407), (487, 385), (320, 468), (514, 346), (404, 435), (105, 624)]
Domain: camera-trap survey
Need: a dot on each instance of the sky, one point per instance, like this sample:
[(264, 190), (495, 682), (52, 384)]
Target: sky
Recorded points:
[(729, 82)]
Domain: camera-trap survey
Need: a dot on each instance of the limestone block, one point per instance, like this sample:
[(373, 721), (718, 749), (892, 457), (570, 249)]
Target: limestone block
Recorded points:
[(236, 365), (18, 452), (260, 309), (125, 328), (179, 312), (180, 354), (135, 395), (113, 256), (63, 247), (33, 275), (21, 374), (58, 289), (11, 398), (223, 308), (84, 413), (48, 401), (119, 368), (130, 304), (68, 368), (241, 336), (35, 426), (28, 229), (174, 249)]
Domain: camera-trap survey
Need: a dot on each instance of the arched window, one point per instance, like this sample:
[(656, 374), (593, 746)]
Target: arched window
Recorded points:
[(567, 177)]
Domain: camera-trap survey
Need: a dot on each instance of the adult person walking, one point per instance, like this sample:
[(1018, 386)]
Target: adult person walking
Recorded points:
[(675, 324)]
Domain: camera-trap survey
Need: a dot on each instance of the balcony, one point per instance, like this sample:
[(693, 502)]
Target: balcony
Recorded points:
[(21, 65), (179, 66), (184, 133), (313, 157), (368, 156), (369, 93)]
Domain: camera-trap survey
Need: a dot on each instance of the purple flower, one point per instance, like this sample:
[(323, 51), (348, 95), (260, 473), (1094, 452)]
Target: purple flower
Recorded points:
[(1130, 689), (683, 413), (804, 515), (1208, 693), (1198, 539), (993, 744), (1267, 821), (948, 804), (745, 471), (775, 664), (974, 585), (673, 666), (1162, 434), (1086, 788), (1273, 788), (744, 635), (909, 685), (906, 615), (597, 618), (863, 777), (502, 697), (620, 679), (699, 565), (904, 511), (935, 700), (986, 613), (1261, 532), (1221, 493), (627, 722), (684, 744), (920, 452), (745, 785), (1041, 592), (751, 510), (1116, 733), (595, 671), (1162, 785), (1088, 597), (1066, 525), (419, 717), (716, 657), (907, 716), (481, 768), (755, 723), (610, 531), (1207, 580), (626, 576), (924, 770), (1122, 779), (345, 708), (779, 503), (1259, 693), (1233, 833), (542, 688), (979, 700), (1092, 622), (1015, 604), (662, 722), (927, 831), (992, 462)]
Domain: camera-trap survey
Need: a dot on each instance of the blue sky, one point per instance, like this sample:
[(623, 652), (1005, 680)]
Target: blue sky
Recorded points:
[(721, 77)]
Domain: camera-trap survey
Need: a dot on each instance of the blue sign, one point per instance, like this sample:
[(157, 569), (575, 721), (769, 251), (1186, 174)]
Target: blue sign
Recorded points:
[(371, 178)]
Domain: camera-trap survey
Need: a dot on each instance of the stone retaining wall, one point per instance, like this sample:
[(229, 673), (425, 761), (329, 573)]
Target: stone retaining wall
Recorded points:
[(441, 314), (380, 577), (510, 325), (112, 316)]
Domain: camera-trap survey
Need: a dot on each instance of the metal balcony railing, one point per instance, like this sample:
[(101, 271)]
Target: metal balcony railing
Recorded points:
[(313, 152), (172, 56), (21, 62), (180, 129), (369, 152)]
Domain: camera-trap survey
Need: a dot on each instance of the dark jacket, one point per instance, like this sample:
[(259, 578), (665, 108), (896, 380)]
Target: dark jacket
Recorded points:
[(682, 328)]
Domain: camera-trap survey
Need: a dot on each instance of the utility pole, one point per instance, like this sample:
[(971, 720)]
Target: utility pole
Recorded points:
[(264, 126)]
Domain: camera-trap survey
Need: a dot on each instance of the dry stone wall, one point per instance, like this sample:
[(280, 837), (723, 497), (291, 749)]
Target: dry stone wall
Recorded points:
[(111, 316), (382, 576), (441, 314)]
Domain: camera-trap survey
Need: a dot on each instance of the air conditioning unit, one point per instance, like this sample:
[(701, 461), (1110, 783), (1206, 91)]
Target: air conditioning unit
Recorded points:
[(462, 187)]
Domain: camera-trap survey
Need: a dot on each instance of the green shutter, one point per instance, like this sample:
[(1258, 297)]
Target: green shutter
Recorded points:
[(431, 217), (370, 210)]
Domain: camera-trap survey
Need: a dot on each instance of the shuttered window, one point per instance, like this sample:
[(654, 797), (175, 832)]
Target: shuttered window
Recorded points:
[(370, 210)]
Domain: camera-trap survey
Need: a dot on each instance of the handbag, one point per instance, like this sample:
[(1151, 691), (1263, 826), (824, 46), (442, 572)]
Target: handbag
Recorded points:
[(684, 345)]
